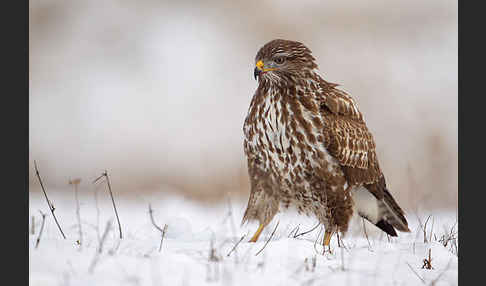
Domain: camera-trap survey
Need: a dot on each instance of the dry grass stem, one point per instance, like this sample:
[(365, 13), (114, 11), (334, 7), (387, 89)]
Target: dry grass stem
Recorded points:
[(268, 239), (236, 245), (424, 228), (105, 174), (411, 268), (213, 255), (450, 238), (75, 183), (294, 231), (162, 230), (41, 229), (306, 232), (51, 205), (100, 247), (428, 261), (366, 234)]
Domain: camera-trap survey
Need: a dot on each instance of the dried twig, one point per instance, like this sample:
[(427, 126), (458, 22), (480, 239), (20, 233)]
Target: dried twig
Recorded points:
[(100, 247), (411, 268), (366, 234), (163, 235), (236, 245), (268, 239), (213, 260), (424, 229), (306, 232), (448, 236), (51, 205), (105, 174), (41, 230), (162, 230), (428, 261), (294, 231), (75, 183)]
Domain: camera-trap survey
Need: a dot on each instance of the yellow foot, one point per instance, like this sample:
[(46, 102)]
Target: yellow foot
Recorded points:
[(327, 241), (257, 234)]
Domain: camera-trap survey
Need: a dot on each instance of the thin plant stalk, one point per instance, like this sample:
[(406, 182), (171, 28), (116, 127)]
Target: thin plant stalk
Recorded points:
[(51, 206), (105, 174)]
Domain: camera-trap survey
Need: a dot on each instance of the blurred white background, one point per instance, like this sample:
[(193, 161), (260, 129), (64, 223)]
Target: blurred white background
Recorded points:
[(156, 92)]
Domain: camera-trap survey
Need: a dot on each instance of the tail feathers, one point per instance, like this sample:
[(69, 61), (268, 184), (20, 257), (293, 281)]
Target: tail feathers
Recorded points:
[(384, 212), (386, 227), (392, 214)]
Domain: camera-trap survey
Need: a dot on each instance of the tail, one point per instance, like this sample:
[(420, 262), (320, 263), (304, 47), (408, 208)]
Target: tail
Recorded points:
[(392, 215), (384, 213)]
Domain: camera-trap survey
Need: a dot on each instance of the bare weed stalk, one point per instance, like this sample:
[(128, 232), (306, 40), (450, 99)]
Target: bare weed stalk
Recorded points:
[(75, 183), (270, 238), (213, 259), (236, 245), (366, 234), (41, 229), (105, 174), (294, 231), (162, 230), (450, 238), (428, 261), (411, 268), (424, 228), (306, 232), (100, 247), (51, 205)]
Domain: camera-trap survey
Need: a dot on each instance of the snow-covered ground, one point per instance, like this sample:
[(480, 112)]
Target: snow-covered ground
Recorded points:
[(199, 247)]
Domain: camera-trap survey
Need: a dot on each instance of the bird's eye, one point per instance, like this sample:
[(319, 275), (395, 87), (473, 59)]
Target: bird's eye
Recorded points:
[(279, 60)]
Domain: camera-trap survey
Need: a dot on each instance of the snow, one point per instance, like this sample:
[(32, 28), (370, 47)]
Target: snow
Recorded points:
[(199, 238)]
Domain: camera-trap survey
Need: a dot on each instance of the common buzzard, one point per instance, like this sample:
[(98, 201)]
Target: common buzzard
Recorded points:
[(307, 145)]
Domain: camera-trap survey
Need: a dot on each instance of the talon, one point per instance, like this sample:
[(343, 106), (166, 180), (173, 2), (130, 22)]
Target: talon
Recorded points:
[(257, 233)]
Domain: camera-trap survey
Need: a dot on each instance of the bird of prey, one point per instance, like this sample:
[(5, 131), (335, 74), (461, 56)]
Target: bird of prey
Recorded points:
[(307, 146)]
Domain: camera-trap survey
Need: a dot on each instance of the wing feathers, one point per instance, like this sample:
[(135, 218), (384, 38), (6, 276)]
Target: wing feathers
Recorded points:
[(348, 138)]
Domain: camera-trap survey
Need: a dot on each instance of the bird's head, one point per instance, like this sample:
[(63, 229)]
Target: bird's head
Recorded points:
[(280, 60)]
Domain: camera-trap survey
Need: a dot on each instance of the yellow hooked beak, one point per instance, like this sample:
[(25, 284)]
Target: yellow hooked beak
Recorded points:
[(260, 68), (259, 64)]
